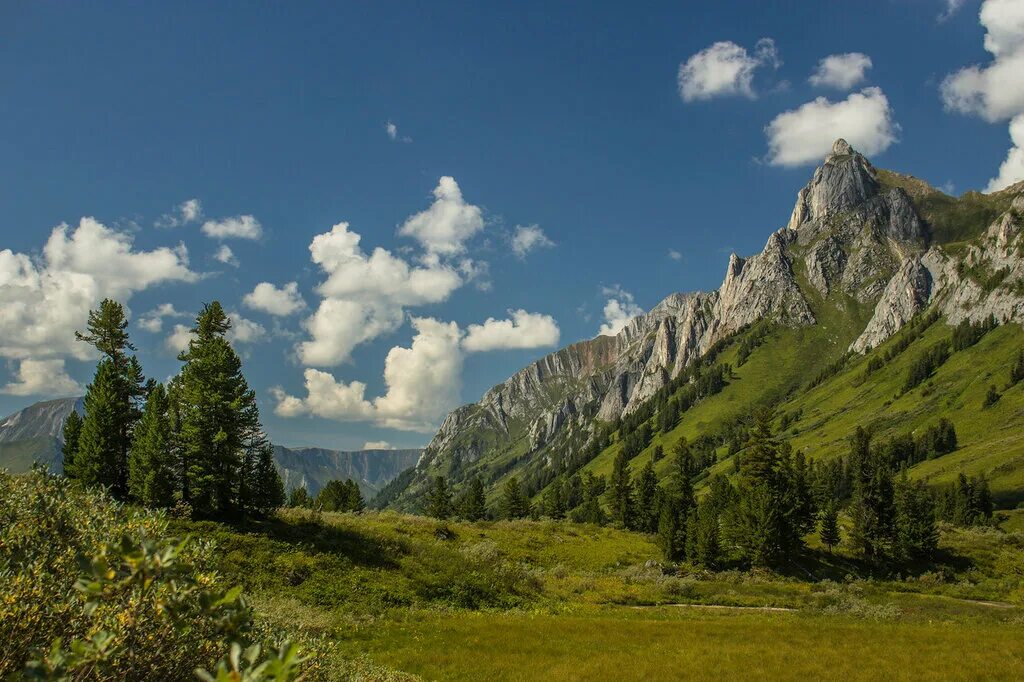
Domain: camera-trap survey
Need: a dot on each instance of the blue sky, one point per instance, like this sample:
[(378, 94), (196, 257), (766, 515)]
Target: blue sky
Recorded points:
[(633, 148)]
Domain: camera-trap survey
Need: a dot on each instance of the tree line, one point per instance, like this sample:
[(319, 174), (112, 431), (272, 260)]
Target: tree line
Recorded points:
[(197, 441), (336, 496)]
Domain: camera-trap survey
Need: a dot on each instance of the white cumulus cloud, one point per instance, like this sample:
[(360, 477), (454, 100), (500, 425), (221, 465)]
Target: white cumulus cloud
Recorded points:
[(1011, 171), (42, 377), (423, 384), (445, 227), (805, 134), (524, 330), (364, 296), (724, 68), (186, 212), (995, 91), (274, 301), (841, 71), (527, 238), (153, 321), (377, 445), (238, 227), (45, 299), (226, 256), (619, 309)]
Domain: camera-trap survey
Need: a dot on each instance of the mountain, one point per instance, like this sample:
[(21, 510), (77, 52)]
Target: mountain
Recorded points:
[(314, 467), (865, 252), (34, 435)]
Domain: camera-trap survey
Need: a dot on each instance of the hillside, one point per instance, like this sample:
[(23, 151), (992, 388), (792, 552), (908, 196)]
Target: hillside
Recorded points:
[(865, 252)]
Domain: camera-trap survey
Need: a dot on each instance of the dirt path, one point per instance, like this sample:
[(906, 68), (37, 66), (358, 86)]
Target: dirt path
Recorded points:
[(716, 606)]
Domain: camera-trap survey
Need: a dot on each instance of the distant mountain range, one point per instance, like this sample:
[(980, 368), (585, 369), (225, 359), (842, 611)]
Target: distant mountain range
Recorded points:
[(34, 435)]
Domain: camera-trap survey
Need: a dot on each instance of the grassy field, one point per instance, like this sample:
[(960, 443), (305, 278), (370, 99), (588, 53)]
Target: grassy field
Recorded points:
[(671, 643), (560, 601)]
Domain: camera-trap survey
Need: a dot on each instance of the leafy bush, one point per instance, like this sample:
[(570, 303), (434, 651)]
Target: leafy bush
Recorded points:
[(96, 590)]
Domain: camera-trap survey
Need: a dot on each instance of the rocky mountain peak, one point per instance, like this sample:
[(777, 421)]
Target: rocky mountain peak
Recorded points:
[(844, 181)]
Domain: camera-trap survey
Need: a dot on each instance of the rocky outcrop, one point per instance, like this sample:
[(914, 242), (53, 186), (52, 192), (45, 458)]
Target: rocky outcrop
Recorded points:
[(986, 279)]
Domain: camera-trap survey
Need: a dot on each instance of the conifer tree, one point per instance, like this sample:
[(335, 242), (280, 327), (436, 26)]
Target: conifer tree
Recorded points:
[(704, 536), (1017, 370), (219, 419), (554, 500), (647, 511), (333, 497), (439, 499), (69, 448), (299, 497), (872, 505), (151, 468), (829, 532), (103, 458), (473, 502), (590, 510), (620, 492), (514, 504), (97, 460), (916, 536), (266, 489)]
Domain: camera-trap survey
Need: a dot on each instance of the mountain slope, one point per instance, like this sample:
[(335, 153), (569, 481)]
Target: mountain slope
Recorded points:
[(33, 435), (863, 253)]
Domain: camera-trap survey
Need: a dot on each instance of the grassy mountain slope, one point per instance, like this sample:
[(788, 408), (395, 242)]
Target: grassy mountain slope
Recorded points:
[(991, 439)]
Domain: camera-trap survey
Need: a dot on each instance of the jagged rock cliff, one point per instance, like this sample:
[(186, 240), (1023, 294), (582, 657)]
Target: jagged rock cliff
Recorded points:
[(856, 238)]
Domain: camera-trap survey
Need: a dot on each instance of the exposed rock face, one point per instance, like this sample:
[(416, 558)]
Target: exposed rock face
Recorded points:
[(854, 236), (988, 279), (313, 468)]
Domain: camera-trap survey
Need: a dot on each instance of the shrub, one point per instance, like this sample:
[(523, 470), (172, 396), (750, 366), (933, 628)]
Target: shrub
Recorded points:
[(96, 590)]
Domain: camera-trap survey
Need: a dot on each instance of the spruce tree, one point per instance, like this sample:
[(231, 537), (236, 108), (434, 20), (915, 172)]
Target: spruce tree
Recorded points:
[(219, 419), (299, 497), (514, 504), (97, 460), (473, 502), (915, 534), (647, 511), (151, 471), (705, 548), (266, 489), (620, 492), (554, 500), (829, 532), (70, 434), (333, 497), (439, 499), (590, 510), (1017, 370), (104, 458), (871, 507)]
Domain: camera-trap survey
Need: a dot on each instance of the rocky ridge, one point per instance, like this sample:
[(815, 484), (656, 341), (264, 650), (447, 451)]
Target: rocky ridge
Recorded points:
[(854, 233)]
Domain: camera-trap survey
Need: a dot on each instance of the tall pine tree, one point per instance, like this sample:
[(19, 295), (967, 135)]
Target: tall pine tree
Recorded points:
[(218, 419), (152, 475), (102, 455), (70, 434)]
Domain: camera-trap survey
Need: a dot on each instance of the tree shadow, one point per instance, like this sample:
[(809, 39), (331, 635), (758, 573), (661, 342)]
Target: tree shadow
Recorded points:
[(313, 534)]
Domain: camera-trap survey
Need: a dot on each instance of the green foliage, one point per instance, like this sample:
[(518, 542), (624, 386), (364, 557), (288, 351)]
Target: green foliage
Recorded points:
[(514, 503), (925, 364), (1017, 370), (340, 496), (100, 458), (829, 525), (968, 333), (991, 397), (152, 475), (70, 434), (299, 497), (439, 499), (966, 502), (916, 536), (472, 504), (620, 492), (96, 590)]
